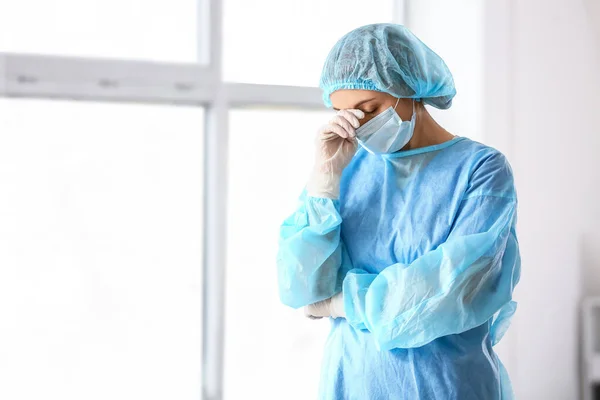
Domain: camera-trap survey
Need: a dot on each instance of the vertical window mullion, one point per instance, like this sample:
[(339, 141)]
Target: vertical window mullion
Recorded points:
[(215, 211)]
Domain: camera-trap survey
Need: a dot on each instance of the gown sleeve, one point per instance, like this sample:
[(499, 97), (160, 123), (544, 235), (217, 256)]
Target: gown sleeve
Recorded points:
[(312, 260), (463, 283)]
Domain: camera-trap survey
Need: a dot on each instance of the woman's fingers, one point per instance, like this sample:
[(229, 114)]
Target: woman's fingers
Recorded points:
[(335, 129), (345, 124), (353, 116)]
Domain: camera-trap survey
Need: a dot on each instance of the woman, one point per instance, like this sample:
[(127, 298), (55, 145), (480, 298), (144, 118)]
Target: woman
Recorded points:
[(405, 235)]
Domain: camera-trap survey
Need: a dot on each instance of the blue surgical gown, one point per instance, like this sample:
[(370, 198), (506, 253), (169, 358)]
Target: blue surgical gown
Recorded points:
[(423, 245)]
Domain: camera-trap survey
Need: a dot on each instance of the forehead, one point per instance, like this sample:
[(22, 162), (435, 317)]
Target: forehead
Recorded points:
[(348, 98)]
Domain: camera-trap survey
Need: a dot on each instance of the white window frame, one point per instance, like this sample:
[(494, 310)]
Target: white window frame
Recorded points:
[(98, 79)]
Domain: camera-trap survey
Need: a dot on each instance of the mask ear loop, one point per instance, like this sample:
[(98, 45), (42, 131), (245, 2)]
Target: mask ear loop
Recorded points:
[(398, 101)]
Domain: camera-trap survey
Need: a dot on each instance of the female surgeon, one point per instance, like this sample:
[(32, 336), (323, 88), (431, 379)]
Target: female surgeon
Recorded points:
[(405, 234)]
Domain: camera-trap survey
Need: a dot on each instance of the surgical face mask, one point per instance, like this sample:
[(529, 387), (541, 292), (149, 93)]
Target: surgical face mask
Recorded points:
[(386, 133)]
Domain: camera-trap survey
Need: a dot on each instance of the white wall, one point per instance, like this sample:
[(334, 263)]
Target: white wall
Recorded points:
[(591, 195), (548, 96), (528, 79)]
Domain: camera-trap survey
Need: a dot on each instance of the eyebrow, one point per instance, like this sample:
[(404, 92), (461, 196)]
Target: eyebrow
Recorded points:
[(357, 105)]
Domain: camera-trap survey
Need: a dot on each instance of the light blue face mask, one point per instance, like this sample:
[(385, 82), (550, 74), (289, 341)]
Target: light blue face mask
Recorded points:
[(386, 133)]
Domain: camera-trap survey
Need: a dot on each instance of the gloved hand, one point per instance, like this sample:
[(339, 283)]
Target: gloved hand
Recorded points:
[(335, 147), (332, 307)]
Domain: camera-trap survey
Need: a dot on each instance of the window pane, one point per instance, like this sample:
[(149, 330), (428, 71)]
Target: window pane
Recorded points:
[(285, 42), (271, 351), (100, 248), (455, 32), (132, 29)]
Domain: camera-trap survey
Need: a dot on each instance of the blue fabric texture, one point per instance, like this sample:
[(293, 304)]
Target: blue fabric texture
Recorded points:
[(387, 58), (423, 245)]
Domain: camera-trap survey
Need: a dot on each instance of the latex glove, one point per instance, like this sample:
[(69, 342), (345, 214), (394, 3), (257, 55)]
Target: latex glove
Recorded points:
[(335, 146), (332, 307)]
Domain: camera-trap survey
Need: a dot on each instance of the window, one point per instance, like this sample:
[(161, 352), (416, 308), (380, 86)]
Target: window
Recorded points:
[(100, 247), (285, 42), (103, 208), (159, 30), (268, 347)]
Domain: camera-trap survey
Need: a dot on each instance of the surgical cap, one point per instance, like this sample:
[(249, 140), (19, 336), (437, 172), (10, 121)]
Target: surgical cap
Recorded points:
[(387, 58)]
